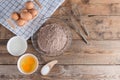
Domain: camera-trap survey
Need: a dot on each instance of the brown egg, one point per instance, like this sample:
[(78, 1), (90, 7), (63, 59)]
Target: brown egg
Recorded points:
[(21, 22), (26, 15), (24, 10), (15, 16), (29, 5), (34, 12)]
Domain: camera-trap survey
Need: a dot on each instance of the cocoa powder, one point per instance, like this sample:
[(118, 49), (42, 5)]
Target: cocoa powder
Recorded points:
[(52, 38)]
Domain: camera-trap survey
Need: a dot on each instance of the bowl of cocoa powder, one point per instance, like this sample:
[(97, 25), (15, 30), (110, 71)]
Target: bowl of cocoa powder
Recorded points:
[(53, 38)]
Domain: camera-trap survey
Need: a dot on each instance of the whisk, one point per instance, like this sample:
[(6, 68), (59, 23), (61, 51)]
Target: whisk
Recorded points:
[(77, 15), (73, 23)]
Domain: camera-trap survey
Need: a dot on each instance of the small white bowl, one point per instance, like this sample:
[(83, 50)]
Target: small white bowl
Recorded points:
[(17, 46), (28, 54)]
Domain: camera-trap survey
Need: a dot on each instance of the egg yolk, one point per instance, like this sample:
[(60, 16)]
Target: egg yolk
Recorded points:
[(28, 64)]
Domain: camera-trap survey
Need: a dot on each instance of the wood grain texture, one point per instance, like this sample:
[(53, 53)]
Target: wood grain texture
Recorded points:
[(102, 1), (95, 1), (102, 27), (96, 52), (86, 8), (99, 27), (5, 33), (64, 72), (99, 60)]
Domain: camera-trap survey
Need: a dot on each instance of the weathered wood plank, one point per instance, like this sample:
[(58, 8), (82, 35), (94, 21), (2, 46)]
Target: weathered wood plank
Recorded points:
[(96, 52), (93, 8), (100, 9), (5, 33), (102, 27), (66, 72), (95, 1), (99, 27), (102, 1)]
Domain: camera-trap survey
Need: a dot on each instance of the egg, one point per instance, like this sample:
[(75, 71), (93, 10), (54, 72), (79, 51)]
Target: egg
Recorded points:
[(24, 10), (28, 64), (15, 16), (17, 46), (29, 5), (26, 15), (21, 22), (34, 12)]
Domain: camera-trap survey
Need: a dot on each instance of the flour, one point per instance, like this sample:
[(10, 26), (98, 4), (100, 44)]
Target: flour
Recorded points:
[(52, 38)]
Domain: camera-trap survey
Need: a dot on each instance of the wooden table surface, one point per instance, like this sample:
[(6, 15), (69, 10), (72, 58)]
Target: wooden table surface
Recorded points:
[(98, 60)]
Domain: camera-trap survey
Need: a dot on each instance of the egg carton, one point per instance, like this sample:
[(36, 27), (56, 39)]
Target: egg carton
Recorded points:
[(7, 7)]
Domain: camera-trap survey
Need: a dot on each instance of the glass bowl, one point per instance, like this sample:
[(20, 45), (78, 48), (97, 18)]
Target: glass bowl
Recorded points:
[(66, 29)]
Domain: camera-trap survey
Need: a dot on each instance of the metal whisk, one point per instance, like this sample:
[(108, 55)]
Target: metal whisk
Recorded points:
[(75, 24), (77, 15)]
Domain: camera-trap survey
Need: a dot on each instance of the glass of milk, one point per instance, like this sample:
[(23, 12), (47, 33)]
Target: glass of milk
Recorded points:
[(17, 46)]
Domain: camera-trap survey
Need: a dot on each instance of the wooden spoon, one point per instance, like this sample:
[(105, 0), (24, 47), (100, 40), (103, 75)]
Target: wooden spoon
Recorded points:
[(11, 23), (38, 3)]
